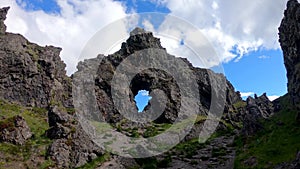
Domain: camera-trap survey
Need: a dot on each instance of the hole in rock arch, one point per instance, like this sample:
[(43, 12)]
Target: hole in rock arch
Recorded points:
[(142, 100)]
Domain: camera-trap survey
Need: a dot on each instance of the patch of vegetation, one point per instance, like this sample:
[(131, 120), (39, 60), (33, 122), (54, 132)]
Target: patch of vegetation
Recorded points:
[(156, 129), (189, 148), (36, 119), (277, 143), (33, 53), (7, 124), (217, 152), (240, 104)]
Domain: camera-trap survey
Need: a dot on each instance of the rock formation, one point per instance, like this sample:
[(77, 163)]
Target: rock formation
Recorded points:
[(35, 76), (152, 79), (71, 147), (289, 34), (3, 13), (30, 74), (14, 130), (257, 108)]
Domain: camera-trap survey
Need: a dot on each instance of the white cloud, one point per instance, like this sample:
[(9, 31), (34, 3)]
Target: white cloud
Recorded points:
[(274, 97), (246, 94), (243, 26), (77, 23), (264, 57)]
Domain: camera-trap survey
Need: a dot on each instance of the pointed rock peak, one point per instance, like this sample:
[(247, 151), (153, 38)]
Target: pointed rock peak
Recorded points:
[(292, 3), (289, 39), (3, 13), (140, 39), (137, 31)]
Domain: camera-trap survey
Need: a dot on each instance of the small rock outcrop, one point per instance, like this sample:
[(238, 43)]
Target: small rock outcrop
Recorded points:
[(3, 13), (289, 34), (71, 147), (14, 130), (257, 108)]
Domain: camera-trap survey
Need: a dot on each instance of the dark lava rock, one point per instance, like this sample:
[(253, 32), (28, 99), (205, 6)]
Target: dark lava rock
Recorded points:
[(257, 108), (72, 147), (14, 130), (289, 34), (98, 73), (3, 13), (154, 79), (31, 75)]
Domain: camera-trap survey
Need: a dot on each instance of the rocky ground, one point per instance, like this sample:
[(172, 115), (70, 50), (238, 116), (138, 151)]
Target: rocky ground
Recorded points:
[(39, 125)]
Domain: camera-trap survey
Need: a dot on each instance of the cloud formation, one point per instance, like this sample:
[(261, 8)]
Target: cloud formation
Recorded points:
[(274, 97), (234, 27), (244, 95)]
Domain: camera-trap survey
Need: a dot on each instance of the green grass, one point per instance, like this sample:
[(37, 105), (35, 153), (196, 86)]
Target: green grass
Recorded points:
[(189, 148), (33, 52), (277, 143), (36, 119), (240, 104)]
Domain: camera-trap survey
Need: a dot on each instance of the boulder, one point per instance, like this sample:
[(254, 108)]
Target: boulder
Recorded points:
[(14, 130), (72, 147)]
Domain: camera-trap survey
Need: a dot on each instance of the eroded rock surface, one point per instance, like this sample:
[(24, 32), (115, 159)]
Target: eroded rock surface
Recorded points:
[(30, 74), (289, 34), (14, 130), (72, 147)]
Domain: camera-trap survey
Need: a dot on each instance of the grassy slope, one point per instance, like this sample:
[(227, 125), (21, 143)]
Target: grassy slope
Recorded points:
[(35, 149), (277, 143)]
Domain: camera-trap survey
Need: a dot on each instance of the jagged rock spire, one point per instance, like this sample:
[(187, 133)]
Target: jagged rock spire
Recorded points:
[(140, 39), (3, 13), (289, 34)]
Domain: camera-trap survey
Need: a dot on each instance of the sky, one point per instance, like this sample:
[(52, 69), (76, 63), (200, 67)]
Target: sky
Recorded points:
[(244, 33)]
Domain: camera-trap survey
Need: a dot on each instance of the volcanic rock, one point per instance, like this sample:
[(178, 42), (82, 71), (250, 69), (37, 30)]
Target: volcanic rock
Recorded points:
[(31, 75), (289, 34), (14, 130)]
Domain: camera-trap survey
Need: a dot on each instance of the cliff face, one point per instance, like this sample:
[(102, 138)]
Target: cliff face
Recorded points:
[(30, 74), (289, 34)]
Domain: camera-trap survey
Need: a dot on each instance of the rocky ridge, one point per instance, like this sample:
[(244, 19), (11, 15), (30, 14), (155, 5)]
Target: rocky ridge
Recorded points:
[(34, 76), (31, 75)]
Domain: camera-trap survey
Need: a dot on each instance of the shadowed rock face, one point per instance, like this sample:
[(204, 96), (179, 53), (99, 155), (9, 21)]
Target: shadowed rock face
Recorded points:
[(289, 34), (3, 13), (30, 74)]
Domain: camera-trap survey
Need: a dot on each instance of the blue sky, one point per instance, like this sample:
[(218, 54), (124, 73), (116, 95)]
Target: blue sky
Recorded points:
[(252, 59)]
